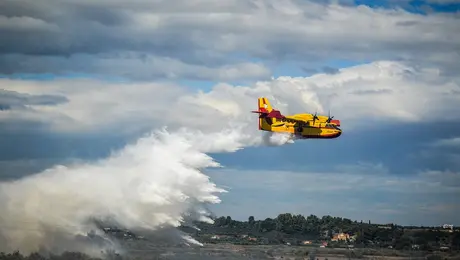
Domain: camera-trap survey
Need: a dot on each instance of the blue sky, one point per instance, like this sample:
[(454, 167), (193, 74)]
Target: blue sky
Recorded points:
[(416, 6), (155, 68)]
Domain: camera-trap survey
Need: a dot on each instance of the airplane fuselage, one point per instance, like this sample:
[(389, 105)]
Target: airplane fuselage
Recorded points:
[(303, 126), (318, 129)]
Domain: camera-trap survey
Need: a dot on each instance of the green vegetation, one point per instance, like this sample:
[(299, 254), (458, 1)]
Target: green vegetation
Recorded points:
[(293, 235), (328, 231)]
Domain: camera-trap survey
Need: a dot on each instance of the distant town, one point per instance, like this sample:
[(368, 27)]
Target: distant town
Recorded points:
[(327, 231), (324, 232)]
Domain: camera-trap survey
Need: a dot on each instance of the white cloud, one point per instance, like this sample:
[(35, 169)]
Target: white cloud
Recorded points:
[(353, 94), (136, 66), (361, 95), (95, 105), (209, 40), (193, 37)]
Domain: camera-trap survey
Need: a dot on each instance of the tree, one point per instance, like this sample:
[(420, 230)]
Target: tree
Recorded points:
[(293, 227), (456, 241), (221, 221), (228, 220), (404, 242)]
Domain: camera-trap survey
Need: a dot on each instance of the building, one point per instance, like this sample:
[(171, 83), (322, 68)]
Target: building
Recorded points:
[(448, 226), (340, 237)]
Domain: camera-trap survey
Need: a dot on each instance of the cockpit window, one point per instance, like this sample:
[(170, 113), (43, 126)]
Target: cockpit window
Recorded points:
[(333, 126)]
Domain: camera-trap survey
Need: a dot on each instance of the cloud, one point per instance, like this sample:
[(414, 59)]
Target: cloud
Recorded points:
[(94, 105), (363, 168), (443, 179), (26, 24), (445, 150), (344, 180), (202, 39), (12, 99), (215, 121), (449, 142), (372, 92), (158, 180), (381, 197), (147, 67)]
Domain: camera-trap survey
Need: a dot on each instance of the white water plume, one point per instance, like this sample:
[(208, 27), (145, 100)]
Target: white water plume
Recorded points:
[(149, 185), (277, 139)]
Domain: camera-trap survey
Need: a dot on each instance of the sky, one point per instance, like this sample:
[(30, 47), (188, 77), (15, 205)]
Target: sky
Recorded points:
[(80, 80)]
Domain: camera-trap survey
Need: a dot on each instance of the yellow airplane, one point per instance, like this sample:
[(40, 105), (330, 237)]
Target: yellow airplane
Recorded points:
[(303, 126)]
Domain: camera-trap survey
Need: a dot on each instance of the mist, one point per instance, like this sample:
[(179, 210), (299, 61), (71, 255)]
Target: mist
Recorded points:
[(154, 185)]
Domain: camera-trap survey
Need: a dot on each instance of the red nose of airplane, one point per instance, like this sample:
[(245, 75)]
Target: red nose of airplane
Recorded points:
[(335, 121)]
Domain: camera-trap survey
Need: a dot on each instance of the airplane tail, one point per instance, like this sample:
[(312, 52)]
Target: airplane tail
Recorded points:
[(263, 109), (264, 105)]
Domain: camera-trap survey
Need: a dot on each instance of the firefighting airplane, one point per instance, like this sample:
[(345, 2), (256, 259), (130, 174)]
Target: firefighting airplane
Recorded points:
[(302, 126)]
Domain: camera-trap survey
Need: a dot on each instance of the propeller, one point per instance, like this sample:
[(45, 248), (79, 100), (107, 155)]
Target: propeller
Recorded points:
[(329, 117), (315, 117)]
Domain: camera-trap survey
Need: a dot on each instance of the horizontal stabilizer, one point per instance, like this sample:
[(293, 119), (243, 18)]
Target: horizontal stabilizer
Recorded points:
[(261, 111)]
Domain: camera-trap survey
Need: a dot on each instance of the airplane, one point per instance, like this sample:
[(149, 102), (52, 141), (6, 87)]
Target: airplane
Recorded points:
[(302, 126)]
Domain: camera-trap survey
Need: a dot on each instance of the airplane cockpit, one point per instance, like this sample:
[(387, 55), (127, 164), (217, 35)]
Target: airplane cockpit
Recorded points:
[(333, 126)]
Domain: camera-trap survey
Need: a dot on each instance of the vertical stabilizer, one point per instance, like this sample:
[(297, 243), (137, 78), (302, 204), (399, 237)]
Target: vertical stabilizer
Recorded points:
[(264, 105), (264, 108)]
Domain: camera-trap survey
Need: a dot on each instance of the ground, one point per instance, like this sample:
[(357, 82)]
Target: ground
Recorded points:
[(229, 251)]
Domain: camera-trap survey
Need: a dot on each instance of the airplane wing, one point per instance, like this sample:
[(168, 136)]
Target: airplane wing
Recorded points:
[(296, 120)]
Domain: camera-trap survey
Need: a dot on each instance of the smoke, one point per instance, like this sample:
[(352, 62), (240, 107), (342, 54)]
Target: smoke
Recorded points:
[(153, 184)]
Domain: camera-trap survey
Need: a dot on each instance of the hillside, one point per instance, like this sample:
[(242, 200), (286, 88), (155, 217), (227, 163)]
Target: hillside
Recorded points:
[(326, 231)]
